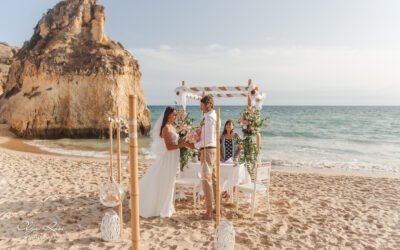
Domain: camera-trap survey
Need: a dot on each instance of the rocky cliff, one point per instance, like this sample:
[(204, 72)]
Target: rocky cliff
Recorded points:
[(7, 54), (69, 77)]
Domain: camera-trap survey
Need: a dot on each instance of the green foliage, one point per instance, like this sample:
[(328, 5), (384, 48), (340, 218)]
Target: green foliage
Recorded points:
[(251, 123), (249, 153), (186, 156)]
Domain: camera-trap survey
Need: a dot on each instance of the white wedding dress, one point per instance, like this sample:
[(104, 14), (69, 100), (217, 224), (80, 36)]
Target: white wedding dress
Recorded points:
[(157, 186)]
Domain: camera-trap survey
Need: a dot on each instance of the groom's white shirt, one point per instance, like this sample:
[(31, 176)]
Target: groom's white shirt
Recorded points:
[(208, 131)]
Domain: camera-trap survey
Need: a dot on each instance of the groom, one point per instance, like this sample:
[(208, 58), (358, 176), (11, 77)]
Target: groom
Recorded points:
[(207, 147)]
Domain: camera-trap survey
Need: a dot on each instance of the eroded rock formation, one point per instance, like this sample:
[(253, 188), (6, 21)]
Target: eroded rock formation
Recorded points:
[(7, 54), (69, 77)]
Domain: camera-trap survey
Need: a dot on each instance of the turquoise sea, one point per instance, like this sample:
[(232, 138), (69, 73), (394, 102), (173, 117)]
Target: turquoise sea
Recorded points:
[(333, 138)]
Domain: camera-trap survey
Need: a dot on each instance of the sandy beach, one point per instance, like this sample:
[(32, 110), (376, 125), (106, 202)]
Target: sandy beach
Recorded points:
[(52, 202), (309, 88)]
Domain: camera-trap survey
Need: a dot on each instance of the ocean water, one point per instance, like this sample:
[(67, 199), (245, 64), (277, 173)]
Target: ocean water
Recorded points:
[(336, 138)]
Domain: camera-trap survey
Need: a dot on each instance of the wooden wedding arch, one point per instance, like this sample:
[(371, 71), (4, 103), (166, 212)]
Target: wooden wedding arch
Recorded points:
[(255, 98)]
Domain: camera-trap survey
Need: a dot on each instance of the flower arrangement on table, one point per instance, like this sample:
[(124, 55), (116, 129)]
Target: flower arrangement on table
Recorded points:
[(188, 133), (251, 124)]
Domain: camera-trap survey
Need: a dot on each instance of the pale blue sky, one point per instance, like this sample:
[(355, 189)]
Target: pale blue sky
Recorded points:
[(300, 52)]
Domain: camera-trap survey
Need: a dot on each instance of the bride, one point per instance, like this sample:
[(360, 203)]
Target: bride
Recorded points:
[(157, 186)]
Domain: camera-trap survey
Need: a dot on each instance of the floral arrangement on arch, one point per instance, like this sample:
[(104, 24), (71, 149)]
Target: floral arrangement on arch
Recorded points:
[(186, 132), (251, 121), (251, 124)]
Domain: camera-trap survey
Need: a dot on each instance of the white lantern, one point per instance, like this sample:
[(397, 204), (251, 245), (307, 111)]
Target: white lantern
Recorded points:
[(3, 183), (111, 194), (225, 236), (110, 229)]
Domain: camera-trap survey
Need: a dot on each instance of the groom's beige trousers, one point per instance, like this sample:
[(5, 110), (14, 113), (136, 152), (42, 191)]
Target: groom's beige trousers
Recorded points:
[(208, 177)]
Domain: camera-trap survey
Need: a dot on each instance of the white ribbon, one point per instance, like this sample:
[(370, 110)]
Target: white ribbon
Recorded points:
[(183, 100), (133, 135), (259, 100), (132, 122)]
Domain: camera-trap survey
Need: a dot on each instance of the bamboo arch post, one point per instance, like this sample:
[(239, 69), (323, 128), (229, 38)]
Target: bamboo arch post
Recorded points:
[(248, 96), (258, 163), (258, 141), (258, 160), (119, 173), (133, 155), (111, 148), (217, 192)]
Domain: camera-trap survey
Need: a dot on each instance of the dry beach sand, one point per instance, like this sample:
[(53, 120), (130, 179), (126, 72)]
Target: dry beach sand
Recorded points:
[(52, 202)]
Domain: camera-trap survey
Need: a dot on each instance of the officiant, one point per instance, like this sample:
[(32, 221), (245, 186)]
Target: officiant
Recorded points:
[(230, 149)]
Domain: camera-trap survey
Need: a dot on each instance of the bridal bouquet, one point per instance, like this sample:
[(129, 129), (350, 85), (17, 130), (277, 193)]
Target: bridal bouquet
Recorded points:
[(186, 132), (183, 124), (193, 136)]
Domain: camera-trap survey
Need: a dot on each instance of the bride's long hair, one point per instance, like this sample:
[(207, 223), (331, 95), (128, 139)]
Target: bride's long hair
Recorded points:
[(169, 110)]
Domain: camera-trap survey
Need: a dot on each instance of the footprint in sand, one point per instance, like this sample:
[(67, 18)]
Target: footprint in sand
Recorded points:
[(243, 238), (265, 240)]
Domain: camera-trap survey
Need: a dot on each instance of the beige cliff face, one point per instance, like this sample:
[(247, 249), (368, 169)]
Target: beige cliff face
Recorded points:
[(70, 77), (7, 54)]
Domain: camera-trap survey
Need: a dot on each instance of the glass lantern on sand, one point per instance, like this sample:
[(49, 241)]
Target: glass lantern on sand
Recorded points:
[(111, 193)]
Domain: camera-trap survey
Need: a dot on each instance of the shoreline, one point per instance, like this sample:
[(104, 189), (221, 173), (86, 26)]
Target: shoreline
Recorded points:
[(18, 145), (9, 142)]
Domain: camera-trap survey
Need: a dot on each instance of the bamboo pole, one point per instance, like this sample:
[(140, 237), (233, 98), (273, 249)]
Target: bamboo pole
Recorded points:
[(258, 140), (121, 221), (133, 154), (217, 192), (248, 97), (111, 148)]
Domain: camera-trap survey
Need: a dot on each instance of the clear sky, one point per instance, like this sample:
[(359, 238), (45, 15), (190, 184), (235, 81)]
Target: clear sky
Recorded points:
[(310, 52)]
